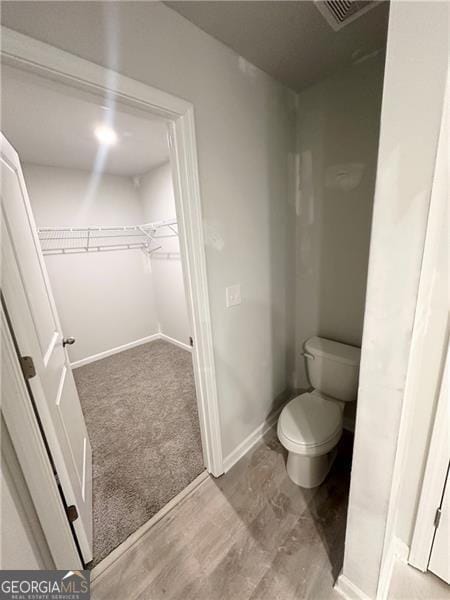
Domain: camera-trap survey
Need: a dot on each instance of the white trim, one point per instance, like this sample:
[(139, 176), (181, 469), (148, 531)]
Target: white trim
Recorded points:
[(22, 424), (184, 163), (116, 350), (401, 550), (439, 450), (252, 439), (348, 590), (167, 338), (24, 52), (134, 538), (396, 552), (436, 216), (434, 479)]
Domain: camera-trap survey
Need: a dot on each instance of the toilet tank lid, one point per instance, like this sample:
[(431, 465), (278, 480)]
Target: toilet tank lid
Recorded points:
[(331, 350)]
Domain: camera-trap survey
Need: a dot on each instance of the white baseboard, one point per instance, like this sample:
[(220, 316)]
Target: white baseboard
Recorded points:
[(251, 440), (398, 551), (348, 590), (167, 338), (401, 550), (100, 355), (144, 340)]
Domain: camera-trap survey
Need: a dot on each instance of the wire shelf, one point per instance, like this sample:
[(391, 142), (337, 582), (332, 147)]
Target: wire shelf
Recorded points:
[(68, 240)]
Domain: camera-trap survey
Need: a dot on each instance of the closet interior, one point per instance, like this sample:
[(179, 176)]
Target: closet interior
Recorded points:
[(99, 181)]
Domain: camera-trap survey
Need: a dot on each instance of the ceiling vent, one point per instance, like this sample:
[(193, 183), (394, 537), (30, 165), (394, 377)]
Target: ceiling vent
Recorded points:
[(339, 13)]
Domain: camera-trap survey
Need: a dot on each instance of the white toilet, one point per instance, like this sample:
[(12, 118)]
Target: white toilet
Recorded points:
[(310, 425)]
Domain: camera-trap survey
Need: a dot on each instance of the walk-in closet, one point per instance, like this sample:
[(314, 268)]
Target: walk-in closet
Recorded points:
[(99, 181)]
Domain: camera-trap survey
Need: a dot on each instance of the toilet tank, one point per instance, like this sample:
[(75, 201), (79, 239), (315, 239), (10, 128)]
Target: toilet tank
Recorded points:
[(333, 368)]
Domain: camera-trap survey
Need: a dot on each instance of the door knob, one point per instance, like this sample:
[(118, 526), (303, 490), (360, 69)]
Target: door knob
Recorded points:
[(68, 341)]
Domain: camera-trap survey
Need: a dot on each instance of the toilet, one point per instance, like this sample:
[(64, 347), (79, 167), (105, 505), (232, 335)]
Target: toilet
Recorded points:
[(310, 425)]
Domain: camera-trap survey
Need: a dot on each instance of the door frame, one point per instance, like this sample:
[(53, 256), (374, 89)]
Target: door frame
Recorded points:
[(26, 53), (434, 480), (436, 450)]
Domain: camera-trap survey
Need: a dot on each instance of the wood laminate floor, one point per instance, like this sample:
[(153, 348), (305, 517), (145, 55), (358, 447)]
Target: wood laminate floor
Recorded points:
[(249, 535)]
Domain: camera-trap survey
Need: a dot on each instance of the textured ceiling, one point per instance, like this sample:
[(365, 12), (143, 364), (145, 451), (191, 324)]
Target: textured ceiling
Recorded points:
[(291, 41)]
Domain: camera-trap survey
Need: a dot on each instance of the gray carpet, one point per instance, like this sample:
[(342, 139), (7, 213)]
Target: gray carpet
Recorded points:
[(141, 415)]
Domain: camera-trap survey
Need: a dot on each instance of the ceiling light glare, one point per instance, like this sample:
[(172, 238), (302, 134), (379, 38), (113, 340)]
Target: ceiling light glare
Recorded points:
[(106, 135)]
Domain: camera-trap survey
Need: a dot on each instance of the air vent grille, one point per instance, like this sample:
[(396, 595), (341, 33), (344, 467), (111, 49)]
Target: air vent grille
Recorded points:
[(339, 13), (344, 9)]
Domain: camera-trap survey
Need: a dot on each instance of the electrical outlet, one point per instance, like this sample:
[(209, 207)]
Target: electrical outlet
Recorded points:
[(233, 295)]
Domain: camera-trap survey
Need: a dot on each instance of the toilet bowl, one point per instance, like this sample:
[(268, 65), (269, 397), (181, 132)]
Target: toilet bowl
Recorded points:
[(310, 425)]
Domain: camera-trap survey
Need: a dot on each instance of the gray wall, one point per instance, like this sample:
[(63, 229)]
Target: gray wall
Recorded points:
[(245, 125), (158, 203), (338, 129)]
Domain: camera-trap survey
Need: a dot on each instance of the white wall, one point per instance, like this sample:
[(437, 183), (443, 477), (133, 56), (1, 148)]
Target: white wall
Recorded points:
[(158, 203), (245, 128), (415, 74), (104, 299), (338, 129)]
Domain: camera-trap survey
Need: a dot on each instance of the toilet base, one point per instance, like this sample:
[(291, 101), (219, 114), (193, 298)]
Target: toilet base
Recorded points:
[(309, 471)]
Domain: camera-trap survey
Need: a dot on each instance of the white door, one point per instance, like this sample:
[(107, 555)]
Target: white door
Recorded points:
[(440, 552), (31, 309)]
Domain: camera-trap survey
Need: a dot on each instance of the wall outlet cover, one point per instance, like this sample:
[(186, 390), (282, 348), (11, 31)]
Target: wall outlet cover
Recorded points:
[(233, 295)]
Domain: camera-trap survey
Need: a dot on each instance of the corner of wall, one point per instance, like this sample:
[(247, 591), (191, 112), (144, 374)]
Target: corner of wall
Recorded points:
[(348, 590)]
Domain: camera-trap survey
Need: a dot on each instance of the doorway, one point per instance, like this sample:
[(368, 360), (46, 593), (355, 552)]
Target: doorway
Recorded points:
[(110, 236)]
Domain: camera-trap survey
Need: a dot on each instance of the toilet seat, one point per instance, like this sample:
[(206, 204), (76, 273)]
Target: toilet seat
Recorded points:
[(310, 424)]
